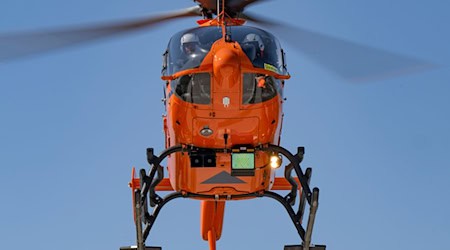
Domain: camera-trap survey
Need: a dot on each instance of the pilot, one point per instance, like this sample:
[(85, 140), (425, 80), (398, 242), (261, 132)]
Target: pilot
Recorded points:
[(191, 52), (190, 44), (254, 48)]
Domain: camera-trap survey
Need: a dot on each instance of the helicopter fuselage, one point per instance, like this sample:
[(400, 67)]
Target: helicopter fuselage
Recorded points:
[(223, 100)]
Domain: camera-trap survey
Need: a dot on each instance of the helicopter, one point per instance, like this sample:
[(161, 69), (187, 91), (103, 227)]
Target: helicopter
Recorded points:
[(223, 96), (223, 123)]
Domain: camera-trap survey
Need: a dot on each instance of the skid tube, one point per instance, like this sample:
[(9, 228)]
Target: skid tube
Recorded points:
[(147, 188)]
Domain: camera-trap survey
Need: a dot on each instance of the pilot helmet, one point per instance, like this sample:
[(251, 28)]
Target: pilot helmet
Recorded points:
[(189, 43), (252, 38)]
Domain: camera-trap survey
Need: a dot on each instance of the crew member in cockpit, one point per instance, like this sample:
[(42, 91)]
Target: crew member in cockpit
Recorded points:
[(253, 46), (190, 44), (191, 51)]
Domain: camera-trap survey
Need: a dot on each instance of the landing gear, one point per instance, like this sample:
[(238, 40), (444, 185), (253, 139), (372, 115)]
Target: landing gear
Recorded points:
[(306, 195), (144, 188), (300, 247), (144, 192)]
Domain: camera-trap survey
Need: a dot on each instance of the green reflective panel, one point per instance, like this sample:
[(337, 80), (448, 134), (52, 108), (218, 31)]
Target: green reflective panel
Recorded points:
[(243, 161)]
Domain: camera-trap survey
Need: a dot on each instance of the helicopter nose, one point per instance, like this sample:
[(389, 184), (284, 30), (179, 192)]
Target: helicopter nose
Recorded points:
[(226, 67)]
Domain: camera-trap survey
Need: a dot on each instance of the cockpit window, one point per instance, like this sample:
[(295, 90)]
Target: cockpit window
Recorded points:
[(188, 48), (262, 48), (194, 88), (258, 88)]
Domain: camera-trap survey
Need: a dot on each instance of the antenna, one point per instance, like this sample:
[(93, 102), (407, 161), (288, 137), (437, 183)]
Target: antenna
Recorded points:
[(218, 7)]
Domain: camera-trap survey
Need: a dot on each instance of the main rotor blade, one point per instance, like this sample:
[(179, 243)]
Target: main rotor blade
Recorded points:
[(351, 61), (22, 44)]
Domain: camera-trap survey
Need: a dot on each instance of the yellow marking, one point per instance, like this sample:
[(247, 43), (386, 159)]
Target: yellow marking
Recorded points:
[(270, 67)]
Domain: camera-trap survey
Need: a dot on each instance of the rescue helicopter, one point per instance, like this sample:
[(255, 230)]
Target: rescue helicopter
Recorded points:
[(223, 96)]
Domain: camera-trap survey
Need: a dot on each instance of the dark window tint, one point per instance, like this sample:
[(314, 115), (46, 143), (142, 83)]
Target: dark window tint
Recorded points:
[(194, 88), (258, 88)]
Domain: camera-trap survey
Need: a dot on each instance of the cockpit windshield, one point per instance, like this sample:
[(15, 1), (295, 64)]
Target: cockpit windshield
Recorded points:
[(188, 48), (261, 47)]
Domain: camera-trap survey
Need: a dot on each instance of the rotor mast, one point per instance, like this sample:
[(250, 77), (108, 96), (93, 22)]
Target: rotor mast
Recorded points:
[(223, 18)]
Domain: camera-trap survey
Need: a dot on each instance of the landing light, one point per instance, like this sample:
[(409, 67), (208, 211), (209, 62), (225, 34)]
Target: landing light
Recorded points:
[(275, 161), (206, 131)]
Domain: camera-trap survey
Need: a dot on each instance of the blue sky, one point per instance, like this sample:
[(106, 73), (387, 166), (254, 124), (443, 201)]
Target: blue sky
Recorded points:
[(73, 123)]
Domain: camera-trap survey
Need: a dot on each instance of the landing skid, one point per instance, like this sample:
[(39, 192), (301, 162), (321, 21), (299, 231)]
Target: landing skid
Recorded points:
[(146, 248), (144, 192), (300, 247)]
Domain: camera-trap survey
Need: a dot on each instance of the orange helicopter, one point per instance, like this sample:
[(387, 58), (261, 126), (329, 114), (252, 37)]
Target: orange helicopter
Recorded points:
[(223, 96)]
